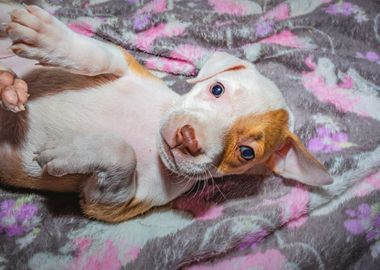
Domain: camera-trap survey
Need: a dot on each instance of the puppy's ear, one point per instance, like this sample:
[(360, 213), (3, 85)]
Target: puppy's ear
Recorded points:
[(217, 63), (293, 161)]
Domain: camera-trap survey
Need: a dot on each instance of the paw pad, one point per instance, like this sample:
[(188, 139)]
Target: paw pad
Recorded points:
[(13, 92)]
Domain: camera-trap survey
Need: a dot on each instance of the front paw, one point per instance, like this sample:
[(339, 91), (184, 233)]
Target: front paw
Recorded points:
[(13, 92), (37, 35), (55, 160)]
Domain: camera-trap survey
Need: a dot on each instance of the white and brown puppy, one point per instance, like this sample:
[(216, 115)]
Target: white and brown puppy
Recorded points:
[(126, 141)]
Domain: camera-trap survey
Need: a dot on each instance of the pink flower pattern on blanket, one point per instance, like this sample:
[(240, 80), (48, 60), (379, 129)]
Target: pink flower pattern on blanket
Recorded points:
[(347, 9), (264, 26), (18, 217), (271, 259), (132, 253), (145, 39), (104, 257), (155, 6), (337, 95), (365, 219), (278, 13), (81, 245), (82, 28), (293, 205), (285, 38), (369, 56), (170, 66), (198, 204), (368, 185), (252, 240), (189, 53), (233, 7), (328, 141), (199, 208)]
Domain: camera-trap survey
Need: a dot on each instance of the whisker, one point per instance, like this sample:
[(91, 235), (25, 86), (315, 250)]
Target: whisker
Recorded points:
[(205, 184), (224, 197), (189, 180), (180, 181), (216, 185), (212, 182), (197, 184)]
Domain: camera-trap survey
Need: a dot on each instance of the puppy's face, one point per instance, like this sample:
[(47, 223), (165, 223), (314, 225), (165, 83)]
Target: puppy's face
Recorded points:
[(232, 120)]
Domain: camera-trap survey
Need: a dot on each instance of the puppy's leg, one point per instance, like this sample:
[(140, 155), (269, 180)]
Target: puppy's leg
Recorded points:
[(13, 91), (109, 161), (38, 35)]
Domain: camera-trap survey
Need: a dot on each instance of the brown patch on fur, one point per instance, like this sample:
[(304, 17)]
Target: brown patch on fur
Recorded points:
[(49, 81), (44, 82), (13, 127), (116, 212), (11, 174), (264, 133), (135, 66), (68, 183)]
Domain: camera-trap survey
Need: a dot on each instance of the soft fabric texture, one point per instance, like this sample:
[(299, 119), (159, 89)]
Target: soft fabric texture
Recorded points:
[(324, 55)]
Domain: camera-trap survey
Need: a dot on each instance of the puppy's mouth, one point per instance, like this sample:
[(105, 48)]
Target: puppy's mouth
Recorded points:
[(168, 155), (170, 162)]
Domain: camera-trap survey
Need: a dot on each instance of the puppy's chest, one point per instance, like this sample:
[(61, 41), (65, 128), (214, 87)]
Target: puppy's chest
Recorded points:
[(130, 111)]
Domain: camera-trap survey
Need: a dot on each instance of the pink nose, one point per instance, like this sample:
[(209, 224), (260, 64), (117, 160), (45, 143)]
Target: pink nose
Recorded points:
[(186, 141)]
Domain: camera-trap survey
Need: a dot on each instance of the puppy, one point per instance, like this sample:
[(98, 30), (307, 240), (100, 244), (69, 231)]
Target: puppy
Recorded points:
[(126, 141)]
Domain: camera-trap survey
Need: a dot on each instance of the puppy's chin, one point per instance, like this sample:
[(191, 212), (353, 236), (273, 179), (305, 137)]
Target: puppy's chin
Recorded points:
[(184, 167)]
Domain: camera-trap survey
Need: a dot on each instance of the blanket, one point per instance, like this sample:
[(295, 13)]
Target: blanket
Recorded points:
[(324, 55)]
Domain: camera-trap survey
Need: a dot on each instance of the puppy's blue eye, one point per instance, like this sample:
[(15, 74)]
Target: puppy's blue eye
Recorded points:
[(217, 90), (247, 152)]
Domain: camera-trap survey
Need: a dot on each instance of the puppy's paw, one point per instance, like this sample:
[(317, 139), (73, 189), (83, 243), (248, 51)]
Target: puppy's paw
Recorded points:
[(13, 92), (37, 35), (65, 156), (57, 159)]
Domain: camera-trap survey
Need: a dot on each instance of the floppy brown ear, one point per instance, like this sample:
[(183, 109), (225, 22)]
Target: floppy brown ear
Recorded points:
[(294, 161), (217, 63)]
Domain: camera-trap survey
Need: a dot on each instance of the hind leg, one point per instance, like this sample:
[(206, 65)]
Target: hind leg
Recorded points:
[(115, 212), (109, 160), (13, 91), (109, 192)]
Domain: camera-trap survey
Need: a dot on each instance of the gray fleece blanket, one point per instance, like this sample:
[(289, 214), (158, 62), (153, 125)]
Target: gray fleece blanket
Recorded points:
[(325, 57)]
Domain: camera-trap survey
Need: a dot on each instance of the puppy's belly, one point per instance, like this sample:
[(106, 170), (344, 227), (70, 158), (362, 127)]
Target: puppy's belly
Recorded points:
[(125, 108)]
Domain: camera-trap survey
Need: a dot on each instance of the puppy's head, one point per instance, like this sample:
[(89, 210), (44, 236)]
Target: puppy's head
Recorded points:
[(233, 120)]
